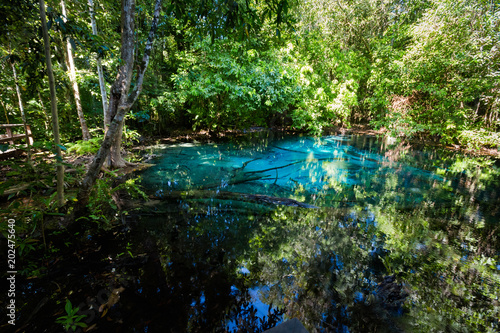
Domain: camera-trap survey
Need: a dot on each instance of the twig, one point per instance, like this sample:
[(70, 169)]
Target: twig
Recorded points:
[(294, 151), (296, 162)]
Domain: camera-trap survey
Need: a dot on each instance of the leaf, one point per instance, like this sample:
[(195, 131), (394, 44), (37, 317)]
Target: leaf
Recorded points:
[(55, 214), (68, 306), (72, 42), (61, 24)]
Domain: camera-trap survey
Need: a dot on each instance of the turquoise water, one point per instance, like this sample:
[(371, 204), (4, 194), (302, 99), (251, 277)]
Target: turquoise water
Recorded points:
[(345, 233)]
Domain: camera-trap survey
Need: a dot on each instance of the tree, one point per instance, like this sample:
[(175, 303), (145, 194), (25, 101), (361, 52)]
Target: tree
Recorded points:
[(121, 99), (53, 102), (102, 84), (21, 109), (74, 83), (444, 83)]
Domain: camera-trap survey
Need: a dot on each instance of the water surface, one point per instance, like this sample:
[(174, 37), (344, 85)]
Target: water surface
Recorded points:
[(345, 233)]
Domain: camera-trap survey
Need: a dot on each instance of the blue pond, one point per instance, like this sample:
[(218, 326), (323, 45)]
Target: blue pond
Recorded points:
[(345, 233)]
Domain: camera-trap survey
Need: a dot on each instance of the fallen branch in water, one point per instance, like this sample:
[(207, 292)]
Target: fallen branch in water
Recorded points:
[(291, 150), (257, 198), (293, 163), (233, 181)]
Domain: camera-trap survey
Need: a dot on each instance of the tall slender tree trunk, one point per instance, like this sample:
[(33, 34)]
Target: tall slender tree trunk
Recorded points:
[(21, 107), (102, 83), (5, 109), (74, 83), (46, 119), (53, 103), (23, 114), (121, 100)]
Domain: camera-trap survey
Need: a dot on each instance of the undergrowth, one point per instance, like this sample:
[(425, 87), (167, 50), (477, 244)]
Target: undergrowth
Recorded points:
[(82, 147), (479, 138), (102, 205)]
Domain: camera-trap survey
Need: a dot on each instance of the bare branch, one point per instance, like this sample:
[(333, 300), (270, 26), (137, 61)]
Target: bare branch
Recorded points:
[(147, 53)]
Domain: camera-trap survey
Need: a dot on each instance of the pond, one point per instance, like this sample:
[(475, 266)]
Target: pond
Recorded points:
[(345, 233)]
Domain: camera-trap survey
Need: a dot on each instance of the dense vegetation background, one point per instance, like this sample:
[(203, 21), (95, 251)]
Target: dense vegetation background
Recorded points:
[(415, 68), (425, 69)]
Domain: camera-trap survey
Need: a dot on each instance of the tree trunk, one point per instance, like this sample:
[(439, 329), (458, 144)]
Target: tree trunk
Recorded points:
[(102, 83), (74, 83), (53, 103), (120, 101), (21, 107), (23, 115), (6, 114), (121, 87), (117, 161), (46, 119)]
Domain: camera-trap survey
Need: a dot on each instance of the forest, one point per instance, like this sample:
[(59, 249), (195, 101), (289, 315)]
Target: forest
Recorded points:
[(132, 131)]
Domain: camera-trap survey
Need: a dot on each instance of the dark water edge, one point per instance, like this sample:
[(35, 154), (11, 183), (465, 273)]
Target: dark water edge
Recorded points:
[(402, 240)]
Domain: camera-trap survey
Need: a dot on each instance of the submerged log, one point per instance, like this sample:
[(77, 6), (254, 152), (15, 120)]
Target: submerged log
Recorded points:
[(224, 195)]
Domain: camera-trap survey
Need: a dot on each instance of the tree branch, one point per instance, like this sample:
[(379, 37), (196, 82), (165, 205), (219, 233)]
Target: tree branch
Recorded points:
[(147, 53)]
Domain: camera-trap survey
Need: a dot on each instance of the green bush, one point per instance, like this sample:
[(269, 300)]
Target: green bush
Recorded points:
[(232, 85)]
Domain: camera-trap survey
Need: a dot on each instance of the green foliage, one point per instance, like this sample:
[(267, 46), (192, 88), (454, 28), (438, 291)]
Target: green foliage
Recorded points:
[(418, 68), (130, 136), (228, 84), (71, 320), (82, 147), (328, 80), (132, 188), (26, 245), (102, 206), (479, 138), (445, 83), (91, 146), (232, 85)]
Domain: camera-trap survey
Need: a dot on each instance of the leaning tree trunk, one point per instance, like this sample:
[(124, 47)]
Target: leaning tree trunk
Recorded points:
[(120, 100), (74, 83), (53, 103), (102, 83)]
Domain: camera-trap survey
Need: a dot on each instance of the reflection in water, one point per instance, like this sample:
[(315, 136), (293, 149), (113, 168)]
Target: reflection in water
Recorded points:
[(401, 240)]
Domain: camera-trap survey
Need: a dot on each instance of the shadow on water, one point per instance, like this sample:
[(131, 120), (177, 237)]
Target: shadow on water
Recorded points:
[(399, 239), (345, 233)]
